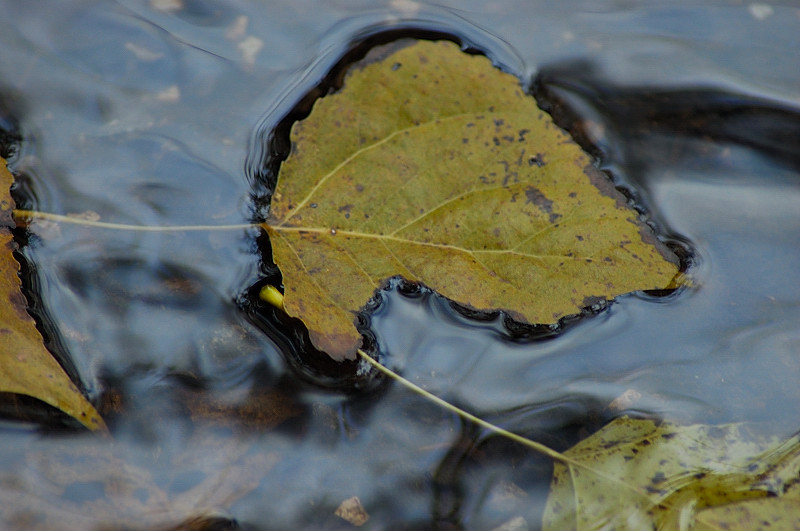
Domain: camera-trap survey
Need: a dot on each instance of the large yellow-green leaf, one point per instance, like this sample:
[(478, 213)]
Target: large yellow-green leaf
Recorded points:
[(26, 367), (432, 164), (635, 474)]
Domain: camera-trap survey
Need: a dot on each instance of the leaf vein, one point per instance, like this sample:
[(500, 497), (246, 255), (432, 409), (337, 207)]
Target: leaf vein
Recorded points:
[(308, 275), (322, 180), (385, 237)]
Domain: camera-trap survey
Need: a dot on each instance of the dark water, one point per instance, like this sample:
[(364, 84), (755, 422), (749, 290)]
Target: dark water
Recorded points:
[(146, 114)]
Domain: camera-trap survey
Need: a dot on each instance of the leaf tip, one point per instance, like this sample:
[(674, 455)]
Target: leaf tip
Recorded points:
[(340, 347)]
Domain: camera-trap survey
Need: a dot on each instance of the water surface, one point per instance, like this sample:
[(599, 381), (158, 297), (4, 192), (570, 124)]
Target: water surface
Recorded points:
[(161, 113)]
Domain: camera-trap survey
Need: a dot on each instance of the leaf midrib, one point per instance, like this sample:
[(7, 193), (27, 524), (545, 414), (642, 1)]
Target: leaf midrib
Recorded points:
[(384, 238)]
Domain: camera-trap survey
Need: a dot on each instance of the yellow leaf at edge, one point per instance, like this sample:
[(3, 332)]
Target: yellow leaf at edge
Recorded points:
[(433, 165), (26, 367), (636, 474)]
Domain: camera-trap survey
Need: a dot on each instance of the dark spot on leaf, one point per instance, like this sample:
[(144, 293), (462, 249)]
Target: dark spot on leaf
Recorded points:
[(604, 184), (313, 205), (580, 238), (498, 121), (465, 140), (595, 303), (396, 66), (359, 188), (509, 176), (537, 160), (658, 477), (519, 159), (537, 198), (19, 303)]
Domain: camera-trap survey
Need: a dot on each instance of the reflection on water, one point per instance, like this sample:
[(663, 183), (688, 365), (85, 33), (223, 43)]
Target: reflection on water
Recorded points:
[(160, 113)]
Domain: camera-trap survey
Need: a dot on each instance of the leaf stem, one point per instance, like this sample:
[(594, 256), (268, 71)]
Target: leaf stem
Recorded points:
[(23, 217), (271, 295), (533, 445), (464, 414)]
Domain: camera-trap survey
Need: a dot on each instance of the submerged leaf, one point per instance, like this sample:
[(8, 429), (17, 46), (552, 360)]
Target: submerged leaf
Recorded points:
[(26, 367), (434, 165), (635, 474)]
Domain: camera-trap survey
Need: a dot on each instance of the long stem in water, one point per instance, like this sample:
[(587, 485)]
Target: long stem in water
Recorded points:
[(24, 217), (461, 413), (271, 294)]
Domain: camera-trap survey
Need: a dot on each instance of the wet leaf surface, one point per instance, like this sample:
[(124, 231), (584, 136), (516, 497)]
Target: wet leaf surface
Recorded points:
[(26, 367), (433, 165), (637, 474)]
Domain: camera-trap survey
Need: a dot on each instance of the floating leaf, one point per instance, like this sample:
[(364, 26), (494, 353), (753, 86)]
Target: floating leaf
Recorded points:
[(26, 367), (635, 474), (432, 164)]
